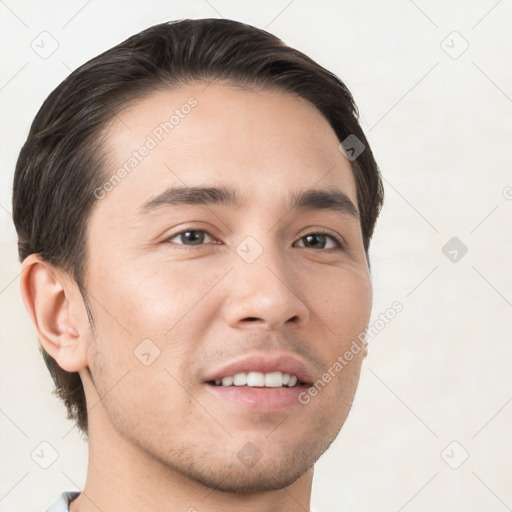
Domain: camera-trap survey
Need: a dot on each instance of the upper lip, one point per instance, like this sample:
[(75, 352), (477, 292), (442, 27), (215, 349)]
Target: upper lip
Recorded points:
[(264, 363)]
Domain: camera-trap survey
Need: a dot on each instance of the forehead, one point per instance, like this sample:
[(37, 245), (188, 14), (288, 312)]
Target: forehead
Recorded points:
[(264, 143)]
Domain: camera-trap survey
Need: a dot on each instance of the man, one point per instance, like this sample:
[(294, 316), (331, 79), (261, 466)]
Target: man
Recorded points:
[(194, 210)]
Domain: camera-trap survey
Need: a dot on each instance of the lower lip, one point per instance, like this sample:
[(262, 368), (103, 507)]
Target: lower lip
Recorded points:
[(259, 399)]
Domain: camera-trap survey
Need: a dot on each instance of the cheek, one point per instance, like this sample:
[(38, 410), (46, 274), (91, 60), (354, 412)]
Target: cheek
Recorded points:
[(153, 298), (156, 314), (343, 306), (343, 302)]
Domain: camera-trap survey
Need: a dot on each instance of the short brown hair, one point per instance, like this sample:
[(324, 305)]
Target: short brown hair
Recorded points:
[(61, 163)]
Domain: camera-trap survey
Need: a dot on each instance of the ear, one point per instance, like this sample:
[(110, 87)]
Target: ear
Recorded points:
[(56, 307)]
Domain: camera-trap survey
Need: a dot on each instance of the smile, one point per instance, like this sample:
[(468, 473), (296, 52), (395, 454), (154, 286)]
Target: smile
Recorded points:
[(259, 380)]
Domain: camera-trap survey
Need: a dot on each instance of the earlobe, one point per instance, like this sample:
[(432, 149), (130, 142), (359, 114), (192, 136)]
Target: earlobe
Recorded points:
[(55, 306)]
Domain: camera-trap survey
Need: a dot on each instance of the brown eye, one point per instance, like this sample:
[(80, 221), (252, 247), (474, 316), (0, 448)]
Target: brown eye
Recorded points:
[(189, 237), (320, 241)]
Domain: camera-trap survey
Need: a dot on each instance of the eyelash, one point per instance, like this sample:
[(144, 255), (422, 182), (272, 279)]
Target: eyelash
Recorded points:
[(337, 241)]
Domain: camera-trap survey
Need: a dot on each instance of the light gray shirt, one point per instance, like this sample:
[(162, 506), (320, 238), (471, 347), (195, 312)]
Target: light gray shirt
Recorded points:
[(61, 504)]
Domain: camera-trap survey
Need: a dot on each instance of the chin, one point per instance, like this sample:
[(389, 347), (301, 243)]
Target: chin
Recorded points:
[(249, 470), (244, 480)]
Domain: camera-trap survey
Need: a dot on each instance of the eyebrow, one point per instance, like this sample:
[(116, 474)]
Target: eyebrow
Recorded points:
[(313, 199)]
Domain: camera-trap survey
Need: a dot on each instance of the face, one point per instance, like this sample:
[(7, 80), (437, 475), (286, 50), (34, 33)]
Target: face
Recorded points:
[(189, 288)]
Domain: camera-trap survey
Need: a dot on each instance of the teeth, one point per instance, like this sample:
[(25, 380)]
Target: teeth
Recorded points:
[(255, 379), (240, 379), (273, 380), (260, 380), (226, 381)]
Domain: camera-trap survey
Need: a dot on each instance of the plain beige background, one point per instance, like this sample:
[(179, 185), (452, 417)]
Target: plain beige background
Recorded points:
[(430, 426)]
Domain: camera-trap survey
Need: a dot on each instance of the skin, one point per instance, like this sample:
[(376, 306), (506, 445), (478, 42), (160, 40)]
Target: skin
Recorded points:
[(157, 439)]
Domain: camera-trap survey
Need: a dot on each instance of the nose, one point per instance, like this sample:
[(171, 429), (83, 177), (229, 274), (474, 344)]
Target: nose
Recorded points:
[(264, 295)]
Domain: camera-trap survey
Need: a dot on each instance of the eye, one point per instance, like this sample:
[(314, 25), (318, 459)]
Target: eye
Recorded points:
[(320, 240), (190, 237), (195, 237)]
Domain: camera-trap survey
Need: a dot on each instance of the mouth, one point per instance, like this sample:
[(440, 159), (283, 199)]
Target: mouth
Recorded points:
[(260, 383)]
